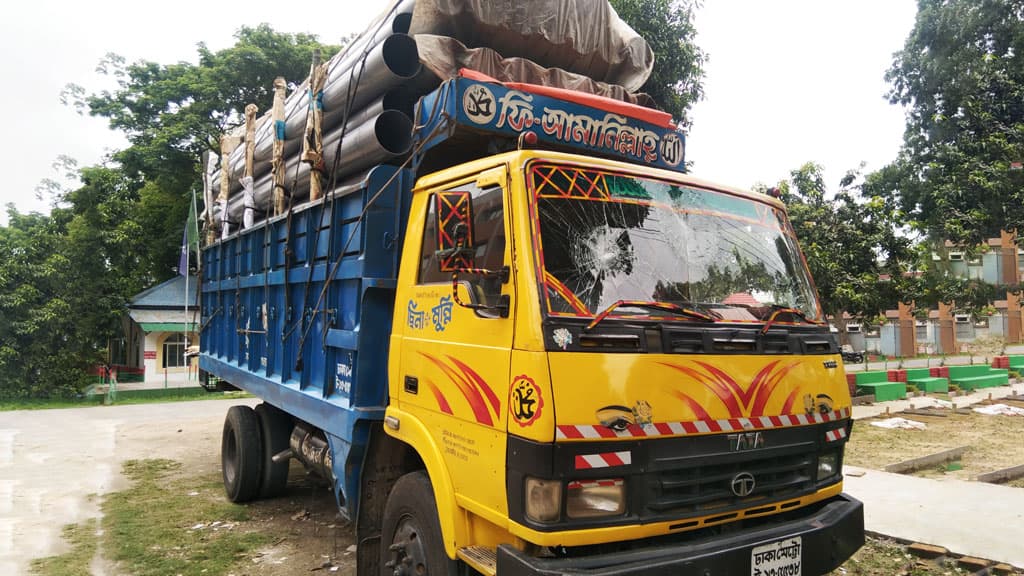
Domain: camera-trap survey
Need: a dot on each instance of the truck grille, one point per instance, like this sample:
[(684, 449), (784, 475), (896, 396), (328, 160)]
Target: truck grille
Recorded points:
[(706, 486)]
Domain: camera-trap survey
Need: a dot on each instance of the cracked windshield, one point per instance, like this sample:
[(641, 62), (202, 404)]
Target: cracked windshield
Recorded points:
[(607, 237)]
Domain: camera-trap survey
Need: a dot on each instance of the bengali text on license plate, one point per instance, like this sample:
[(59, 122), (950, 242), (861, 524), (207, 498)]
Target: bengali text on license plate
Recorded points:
[(780, 558)]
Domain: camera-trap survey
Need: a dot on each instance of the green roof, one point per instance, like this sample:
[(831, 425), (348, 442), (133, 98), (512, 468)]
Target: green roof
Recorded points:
[(168, 326), (167, 295)]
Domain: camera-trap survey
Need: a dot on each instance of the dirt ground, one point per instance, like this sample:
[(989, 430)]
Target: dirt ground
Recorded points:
[(995, 443), (310, 537), (55, 465)]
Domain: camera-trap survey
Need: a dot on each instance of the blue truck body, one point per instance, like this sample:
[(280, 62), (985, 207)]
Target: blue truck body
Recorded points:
[(297, 310)]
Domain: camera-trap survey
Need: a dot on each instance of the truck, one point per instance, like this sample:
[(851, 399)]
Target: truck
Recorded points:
[(535, 345)]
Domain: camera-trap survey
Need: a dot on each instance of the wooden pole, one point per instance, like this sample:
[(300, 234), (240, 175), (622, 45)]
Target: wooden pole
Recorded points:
[(278, 164), (312, 144), (250, 137), (227, 146)]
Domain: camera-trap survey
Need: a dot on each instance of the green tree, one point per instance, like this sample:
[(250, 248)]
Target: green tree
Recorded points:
[(849, 240), (172, 113), (39, 357), (66, 277), (961, 79), (676, 83)]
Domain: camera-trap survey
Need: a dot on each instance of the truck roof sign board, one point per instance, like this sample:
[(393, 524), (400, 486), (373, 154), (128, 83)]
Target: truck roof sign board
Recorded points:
[(498, 109)]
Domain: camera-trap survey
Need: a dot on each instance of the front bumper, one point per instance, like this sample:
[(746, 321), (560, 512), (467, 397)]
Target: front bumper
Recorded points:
[(831, 534)]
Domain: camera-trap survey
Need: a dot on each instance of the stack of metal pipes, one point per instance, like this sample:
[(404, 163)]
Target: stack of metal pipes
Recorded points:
[(371, 86)]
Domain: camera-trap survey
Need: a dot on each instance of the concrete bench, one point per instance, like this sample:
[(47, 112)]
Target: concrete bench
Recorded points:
[(883, 391), (922, 379), (872, 377), (960, 372), (976, 382), (930, 384), (977, 376)]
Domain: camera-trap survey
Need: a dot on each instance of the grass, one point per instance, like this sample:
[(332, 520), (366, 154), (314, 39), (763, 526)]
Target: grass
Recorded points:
[(83, 540), (124, 397), (165, 523), (881, 556)]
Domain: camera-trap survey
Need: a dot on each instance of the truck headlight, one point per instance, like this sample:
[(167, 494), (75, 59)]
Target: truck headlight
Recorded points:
[(828, 465), (595, 498), (543, 499)]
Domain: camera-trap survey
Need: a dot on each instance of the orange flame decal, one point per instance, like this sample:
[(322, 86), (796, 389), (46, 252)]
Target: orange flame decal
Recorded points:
[(471, 385), (738, 402), (442, 402)]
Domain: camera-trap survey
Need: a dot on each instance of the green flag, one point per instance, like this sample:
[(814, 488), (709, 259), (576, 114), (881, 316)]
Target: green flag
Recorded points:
[(189, 239)]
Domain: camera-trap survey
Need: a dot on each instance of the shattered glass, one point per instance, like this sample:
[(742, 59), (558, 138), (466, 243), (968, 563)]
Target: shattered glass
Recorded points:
[(606, 237)]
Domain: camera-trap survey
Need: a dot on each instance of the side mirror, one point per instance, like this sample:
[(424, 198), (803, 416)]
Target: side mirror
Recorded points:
[(504, 302)]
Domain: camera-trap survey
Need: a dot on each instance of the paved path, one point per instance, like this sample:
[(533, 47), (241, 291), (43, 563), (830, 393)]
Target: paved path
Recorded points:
[(968, 518), (51, 461)]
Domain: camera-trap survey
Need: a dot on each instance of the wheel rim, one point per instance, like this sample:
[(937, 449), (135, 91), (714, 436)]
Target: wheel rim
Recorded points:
[(408, 551)]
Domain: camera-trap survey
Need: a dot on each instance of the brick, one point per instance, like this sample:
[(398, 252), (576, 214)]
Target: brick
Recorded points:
[(972, 564), (926, 550)]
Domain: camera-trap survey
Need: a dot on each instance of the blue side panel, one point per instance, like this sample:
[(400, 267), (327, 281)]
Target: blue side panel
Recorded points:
[(297, 311)]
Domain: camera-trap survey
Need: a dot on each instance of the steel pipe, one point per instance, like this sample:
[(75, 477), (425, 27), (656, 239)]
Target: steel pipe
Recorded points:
[(384, 137)]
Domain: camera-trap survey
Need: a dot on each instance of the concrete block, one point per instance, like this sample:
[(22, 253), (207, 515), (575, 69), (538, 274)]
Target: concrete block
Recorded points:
[(972, 564), (930, 460), (927, 551), (1004, 475)]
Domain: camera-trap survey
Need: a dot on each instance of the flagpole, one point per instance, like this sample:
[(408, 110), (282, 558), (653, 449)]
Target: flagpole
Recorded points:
[(188, 249)]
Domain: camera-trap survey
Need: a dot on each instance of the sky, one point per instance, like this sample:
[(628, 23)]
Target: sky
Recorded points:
[(787, 81)]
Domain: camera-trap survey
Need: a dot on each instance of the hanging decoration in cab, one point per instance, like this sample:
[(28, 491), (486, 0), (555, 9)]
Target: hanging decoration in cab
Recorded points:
[(526, 402)]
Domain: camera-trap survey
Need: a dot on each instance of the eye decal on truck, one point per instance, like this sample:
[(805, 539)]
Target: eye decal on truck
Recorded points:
[(739, 402), (482, 400)]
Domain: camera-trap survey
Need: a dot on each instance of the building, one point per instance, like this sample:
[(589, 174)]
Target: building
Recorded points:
[(909, 331), (159, 329)]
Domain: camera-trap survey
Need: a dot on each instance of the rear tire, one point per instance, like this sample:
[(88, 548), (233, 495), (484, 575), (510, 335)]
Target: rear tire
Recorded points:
[(411, 541), (241, 453), (275, 430)]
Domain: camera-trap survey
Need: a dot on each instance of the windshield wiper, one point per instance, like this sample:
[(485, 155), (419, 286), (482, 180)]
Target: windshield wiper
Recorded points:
[(653, 305), (778, 310)]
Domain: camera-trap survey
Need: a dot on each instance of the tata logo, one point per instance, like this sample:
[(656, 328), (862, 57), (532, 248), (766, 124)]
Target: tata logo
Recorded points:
[(745, 441), (743, 484)]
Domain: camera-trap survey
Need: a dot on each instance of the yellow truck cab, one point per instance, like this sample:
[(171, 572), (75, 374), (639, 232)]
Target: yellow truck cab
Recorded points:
[(590, 355)]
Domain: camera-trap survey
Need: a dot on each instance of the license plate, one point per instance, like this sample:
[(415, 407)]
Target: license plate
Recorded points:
[(780, 558)]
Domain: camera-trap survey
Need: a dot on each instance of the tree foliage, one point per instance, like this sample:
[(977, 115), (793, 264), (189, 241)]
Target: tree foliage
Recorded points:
[(961, 77), (65, 278), (850, 241), (676, 83)]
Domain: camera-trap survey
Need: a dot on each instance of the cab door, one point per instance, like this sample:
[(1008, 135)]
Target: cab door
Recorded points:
[(457, 344)]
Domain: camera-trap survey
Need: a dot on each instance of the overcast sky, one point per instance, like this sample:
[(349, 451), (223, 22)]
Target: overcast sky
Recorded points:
[(787, 82)]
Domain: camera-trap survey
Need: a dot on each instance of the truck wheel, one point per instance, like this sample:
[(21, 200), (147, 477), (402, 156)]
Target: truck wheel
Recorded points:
[(411, 543), (275, 430), (241, 454)]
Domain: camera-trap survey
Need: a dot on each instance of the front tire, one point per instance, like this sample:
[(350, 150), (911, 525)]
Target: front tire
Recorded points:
[(241, 454), (411, 541)]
